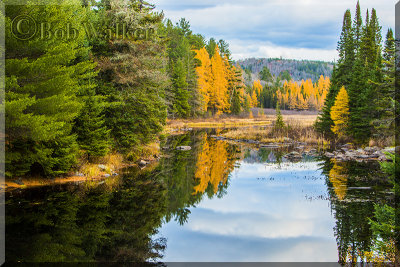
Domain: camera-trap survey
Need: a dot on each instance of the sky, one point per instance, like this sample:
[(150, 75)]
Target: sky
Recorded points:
[(293, 29)]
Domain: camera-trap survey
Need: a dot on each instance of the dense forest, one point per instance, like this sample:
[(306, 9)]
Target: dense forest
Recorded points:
[(360, 104), (298, 69), (304, 95), (77, 99)]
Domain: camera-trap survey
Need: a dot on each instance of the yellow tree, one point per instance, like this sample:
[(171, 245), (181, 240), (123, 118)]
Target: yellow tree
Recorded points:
[(204, 77), (338, 178), (340, 113), (219, 89)]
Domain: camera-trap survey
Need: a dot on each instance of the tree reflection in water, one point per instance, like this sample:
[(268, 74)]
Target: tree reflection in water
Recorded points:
[(118, 220)]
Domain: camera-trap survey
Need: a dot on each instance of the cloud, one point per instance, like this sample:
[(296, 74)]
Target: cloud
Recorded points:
[(258, 28)]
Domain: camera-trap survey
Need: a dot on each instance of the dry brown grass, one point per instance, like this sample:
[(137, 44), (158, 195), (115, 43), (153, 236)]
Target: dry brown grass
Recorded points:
[(145, 152), (298, 129)]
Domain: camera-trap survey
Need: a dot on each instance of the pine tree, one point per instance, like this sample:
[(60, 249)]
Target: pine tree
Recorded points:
[(42, 80), (340, 113), (133, 76)]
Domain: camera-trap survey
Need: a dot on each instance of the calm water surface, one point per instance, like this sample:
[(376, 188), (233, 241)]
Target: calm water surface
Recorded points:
[(216, 202)]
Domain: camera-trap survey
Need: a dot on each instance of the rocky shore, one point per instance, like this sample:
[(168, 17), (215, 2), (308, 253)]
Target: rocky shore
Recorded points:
[(344, 153), (347, 152)]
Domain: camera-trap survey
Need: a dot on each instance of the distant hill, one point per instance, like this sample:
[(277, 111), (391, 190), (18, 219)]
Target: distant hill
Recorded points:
[(298, 69)]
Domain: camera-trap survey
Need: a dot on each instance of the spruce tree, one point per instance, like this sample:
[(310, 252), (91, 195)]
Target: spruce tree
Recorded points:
[(181, 105), (366, 71), (235, 106), (92, 133), (279, 123), (384, 100), (341, 75)]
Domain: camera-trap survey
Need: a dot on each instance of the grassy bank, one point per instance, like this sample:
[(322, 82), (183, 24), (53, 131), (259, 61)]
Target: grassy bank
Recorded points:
[(232, 121), (104, 168), (298, 128)]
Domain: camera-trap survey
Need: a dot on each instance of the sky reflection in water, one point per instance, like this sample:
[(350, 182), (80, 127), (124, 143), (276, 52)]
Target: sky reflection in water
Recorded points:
[(268, 214)]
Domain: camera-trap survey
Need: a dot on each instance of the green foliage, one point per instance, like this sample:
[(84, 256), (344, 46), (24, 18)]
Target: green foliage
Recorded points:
[(285, 75), (235, 106), (266, 75), (42, 81), (367, 75), (92, 133), (279, 123)]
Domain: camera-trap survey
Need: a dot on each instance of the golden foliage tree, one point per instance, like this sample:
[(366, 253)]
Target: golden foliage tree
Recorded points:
[(304, 95), (213, 165), (340, 113), (339, 180), (204, 77)]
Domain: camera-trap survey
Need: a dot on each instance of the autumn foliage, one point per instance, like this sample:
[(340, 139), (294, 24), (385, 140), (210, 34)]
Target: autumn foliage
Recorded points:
[(304, 96), (340, 113), (217, 80)]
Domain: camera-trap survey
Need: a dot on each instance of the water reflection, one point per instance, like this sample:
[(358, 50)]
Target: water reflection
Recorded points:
[(225, 202)]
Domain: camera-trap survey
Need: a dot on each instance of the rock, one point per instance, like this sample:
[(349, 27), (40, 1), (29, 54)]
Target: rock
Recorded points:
[(19, 181), (287, 139), (107, 175), (142, 163), (369, 149), (363, 156), (348, 145), (389, 150), (102, 167), (382, 158), (345, 149), (360, 151), (375, 155), (329, 155), (184, 148)]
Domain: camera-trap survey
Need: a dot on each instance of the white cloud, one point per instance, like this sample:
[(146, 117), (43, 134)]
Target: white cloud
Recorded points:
[(301, 29)]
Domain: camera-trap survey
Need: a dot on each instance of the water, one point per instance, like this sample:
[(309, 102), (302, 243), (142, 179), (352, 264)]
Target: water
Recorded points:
[(216, 202)]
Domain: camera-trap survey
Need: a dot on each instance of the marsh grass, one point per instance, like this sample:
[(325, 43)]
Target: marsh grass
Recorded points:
[(298, 129)]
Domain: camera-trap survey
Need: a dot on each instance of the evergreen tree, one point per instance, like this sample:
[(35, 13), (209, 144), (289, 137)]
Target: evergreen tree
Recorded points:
[(92, 134), (43, 78), (357, 27), (366, 71), (181, 105), (384, 100), (133, 76), (210, 47), (279, 123), (235, 106), (341, 75), (265, 74)]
